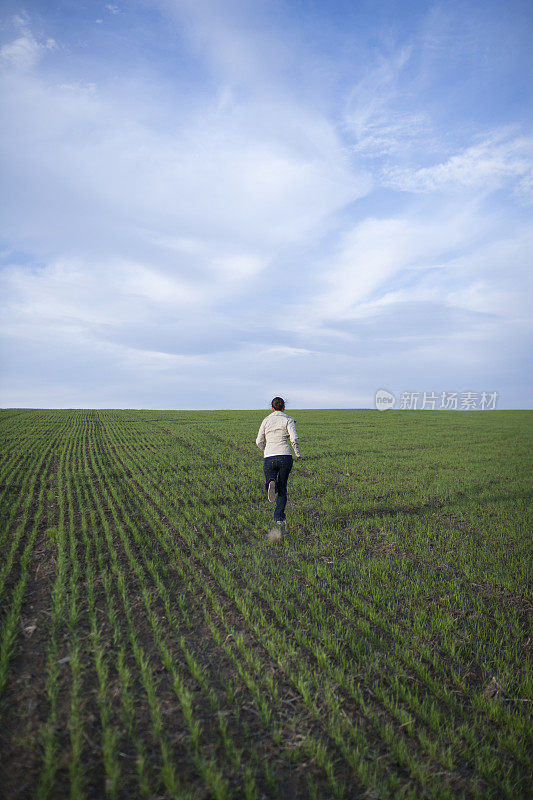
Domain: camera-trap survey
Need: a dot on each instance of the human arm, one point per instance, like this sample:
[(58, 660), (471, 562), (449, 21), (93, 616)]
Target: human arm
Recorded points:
[(293, 436), (261, 438)]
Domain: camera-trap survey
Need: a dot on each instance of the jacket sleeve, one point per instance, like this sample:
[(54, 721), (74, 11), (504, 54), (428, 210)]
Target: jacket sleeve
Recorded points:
[(261, 438), (291, 427)]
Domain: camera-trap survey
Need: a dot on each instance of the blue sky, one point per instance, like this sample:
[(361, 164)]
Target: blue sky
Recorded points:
[(207, 204)]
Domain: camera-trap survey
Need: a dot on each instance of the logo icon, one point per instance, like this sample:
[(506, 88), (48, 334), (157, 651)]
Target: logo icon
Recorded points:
[(384, 400)]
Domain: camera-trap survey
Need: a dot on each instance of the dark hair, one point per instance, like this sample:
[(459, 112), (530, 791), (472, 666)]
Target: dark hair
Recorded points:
[(278, 403)]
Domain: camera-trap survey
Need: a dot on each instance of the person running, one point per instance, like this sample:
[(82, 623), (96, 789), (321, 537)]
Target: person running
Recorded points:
[(273, 439)]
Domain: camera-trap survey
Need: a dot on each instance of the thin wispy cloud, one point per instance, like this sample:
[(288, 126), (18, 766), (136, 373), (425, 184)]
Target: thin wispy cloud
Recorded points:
[(499, 159), (23, 52), (378, 113), (206, 200)]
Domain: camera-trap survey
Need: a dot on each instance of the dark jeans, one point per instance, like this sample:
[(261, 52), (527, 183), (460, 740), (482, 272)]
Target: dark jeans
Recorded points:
[(277, 469)]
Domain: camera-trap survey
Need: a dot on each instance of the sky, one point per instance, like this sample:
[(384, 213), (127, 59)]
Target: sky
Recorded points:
[(206, 204)]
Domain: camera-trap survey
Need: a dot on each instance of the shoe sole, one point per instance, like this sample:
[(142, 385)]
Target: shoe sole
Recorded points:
[(271, 494)]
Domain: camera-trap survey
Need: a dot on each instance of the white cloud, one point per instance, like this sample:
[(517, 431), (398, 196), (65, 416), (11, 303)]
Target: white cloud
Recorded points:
[(283, 350), (239, 267), (144, 228), (487, 165), (375, 251), (492, 279), (160, 289), (378, 114), (435, 297), (264, 175), (80, 296), (23, 53), (299, 396), (238, 40), (198, 234)]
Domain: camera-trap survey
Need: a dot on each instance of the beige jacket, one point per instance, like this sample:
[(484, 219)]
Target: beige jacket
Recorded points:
[(274, 434)]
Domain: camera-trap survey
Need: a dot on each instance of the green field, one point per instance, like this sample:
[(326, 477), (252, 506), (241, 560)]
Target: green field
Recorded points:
[(155, 644)]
